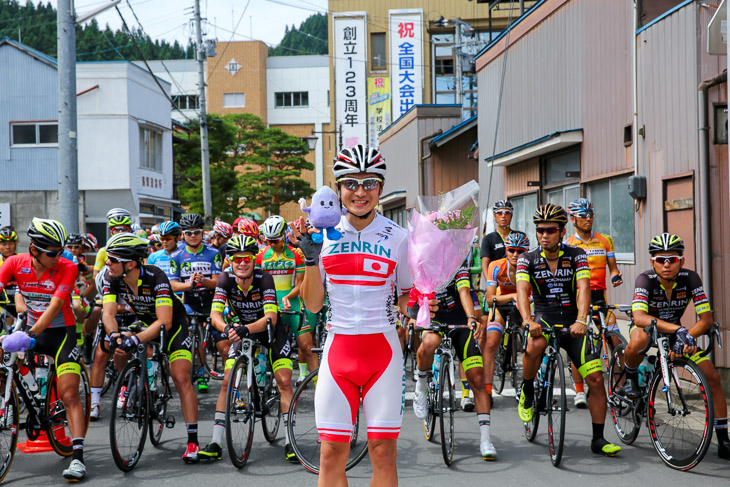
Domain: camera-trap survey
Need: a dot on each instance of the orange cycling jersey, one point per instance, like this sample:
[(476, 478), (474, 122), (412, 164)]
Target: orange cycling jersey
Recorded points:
[(599, 249), (498, 275)]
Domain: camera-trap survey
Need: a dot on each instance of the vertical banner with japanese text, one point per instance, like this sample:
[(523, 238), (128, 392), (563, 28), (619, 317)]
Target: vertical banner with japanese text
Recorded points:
[(406, 59), (378, 107), (350, 52)]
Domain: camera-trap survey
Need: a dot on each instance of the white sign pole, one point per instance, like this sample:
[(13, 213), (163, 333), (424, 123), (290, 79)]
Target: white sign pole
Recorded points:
[(406, 59), (350, 51)]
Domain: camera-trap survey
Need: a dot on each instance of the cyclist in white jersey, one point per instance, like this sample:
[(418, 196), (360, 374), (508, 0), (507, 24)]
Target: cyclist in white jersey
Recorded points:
[(362, 354)]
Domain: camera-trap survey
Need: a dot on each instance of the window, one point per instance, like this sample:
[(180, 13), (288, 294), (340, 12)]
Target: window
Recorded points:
[(378, 58), (291, 99), (562, 167), (525, 206), (444, 66), (234, 100), (563, 196), (614, 210), (150, 149), (41, 134), (397, 215), (187, 102)]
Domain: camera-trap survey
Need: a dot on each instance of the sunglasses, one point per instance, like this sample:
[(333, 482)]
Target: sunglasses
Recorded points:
[(49, 253), (664, 260), (548, 230), (503, 212), (116, 260), (168, 239), (192, 233), (273, 240), (156, 244), (73, 247), (368, 184), (119, 229), (517, 251), (246, 259), (586, 214)]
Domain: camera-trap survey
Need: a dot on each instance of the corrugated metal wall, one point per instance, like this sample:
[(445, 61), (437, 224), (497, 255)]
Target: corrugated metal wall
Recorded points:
[(448, 168), (517, 176), (28, 91)]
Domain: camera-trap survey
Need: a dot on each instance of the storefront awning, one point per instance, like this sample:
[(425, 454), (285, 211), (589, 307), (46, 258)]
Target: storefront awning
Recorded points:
[(543, 145)]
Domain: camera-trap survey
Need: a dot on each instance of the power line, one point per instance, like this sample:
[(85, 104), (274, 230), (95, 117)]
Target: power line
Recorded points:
[(233, 33), (157, 81)]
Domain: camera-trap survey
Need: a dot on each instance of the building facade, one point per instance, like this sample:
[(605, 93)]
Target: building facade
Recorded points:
[(124, 140), (566, 128)]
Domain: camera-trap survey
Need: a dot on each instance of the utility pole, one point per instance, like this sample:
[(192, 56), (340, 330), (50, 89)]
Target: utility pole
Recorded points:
[(458, 70), (68, 167), (204, 157)]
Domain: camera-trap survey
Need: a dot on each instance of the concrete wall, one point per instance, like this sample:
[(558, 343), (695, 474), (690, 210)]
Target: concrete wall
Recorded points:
[(26, 205), (290, 74)]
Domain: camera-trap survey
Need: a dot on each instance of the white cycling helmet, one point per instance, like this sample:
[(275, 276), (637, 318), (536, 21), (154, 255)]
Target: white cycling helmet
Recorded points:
[(359, 159), (274, 227)]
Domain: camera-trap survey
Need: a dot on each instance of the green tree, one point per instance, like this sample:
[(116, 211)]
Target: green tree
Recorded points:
[(309, 38), (273, 161), (247, 160)]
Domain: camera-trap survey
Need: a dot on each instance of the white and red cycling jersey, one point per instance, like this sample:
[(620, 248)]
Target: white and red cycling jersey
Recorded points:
[(362, 357), (360, 273)]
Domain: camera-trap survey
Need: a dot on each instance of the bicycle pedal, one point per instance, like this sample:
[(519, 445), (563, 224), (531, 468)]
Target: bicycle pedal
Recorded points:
[(170, 422)]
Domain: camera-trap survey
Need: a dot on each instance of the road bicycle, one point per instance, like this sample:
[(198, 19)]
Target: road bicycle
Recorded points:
[(40, 398), (410, 350), (605, 340), (110, 371), (508, 356), (441, 396), (302, 427), (139, 403), (674, 399), (251, 394), (550, 399)]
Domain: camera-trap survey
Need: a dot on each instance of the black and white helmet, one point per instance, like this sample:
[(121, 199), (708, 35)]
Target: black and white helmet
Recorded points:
[(360, 158), (274, 227)]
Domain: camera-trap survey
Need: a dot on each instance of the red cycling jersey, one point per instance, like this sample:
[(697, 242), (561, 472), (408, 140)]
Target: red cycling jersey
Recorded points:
[(57, 282)]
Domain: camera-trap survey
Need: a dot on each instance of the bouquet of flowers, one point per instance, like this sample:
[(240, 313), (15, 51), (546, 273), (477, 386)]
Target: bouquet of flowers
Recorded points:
[(440, 235)]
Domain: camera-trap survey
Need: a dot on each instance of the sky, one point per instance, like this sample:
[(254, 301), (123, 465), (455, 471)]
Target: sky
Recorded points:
[(263, 20)]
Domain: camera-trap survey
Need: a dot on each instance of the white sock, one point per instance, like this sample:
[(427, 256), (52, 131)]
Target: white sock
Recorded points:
[(484, 423), (95, 395), (285, 419), (219, 428), (422, 381)]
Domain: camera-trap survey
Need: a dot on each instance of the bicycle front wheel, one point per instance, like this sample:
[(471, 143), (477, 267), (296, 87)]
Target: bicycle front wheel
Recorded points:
[(557, 406), (213, 362), (500, 371), (531, 427), (240, 413), (446, 407), (59, 434), (129, 419), (271, 407), (303, 432), (626, 422), (9, 421), (680, 419), (515, 363), (160, 394)]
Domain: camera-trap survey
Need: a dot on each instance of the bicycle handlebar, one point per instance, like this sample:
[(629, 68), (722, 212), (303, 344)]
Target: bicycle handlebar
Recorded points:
[(713, 334), (624, 308)]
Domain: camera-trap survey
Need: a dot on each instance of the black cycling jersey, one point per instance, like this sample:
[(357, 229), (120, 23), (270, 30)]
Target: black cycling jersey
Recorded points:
[(650, 296), (554, 294), (451, 310), (493, 246), (153, 289), (250, 305)]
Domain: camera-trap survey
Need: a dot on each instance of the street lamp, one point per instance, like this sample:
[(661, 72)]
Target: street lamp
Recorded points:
[(312, 140)]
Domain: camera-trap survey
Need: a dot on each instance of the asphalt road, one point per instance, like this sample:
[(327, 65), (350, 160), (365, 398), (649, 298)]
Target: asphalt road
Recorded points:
[(419, 462)]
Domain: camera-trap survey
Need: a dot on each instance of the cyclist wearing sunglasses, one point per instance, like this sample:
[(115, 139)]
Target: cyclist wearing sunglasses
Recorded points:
[(285, 263), (501, 284), (250, 311), (46, 281), (558, 277), (663, 293), (147, 290), (194, 271), (457, 307), (362, 356), (493, 243), (600, 250), (8, 245)]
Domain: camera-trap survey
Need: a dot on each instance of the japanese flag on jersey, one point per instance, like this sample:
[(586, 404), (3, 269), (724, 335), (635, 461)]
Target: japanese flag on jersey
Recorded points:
[(363, 269)]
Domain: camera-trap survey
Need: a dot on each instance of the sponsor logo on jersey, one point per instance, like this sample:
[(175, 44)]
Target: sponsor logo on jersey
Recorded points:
[(682, 295), (24, 270), (146, 291), (363, 247)]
